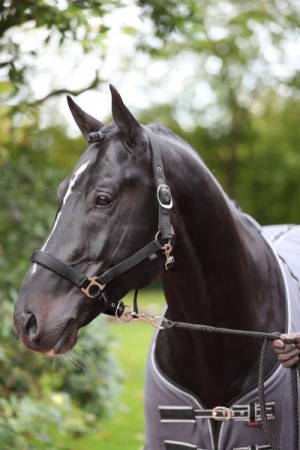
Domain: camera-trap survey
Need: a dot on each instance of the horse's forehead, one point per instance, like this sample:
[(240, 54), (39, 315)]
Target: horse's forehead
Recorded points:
[(97, 159), (107, 164)]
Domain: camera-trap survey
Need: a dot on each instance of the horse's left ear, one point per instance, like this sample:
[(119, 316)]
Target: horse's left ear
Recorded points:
[(131, 131), (86, 123)]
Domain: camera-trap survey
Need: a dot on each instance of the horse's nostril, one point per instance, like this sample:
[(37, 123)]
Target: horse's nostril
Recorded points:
[(31, 325)]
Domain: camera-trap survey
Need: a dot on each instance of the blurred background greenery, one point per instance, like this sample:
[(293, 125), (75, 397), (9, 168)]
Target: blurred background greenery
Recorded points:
[(224, 75)]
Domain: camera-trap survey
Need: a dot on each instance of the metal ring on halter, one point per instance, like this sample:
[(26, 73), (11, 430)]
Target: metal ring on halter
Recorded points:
[(127, 313), (157, 234)]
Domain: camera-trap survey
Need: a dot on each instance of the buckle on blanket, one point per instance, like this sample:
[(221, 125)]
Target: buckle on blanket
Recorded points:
[(221, 413), (241, 413)]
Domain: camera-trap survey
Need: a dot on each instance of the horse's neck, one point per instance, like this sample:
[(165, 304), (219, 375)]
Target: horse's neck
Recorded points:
[(227, 266), (225, 276)]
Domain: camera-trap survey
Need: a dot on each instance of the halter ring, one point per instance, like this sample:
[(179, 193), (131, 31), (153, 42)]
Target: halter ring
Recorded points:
[(127, 314)]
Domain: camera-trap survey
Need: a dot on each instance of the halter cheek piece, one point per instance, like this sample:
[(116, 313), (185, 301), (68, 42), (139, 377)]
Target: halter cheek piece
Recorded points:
[(94, 287)]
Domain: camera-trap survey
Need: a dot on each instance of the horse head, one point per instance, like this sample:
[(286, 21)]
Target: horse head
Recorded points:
[(107, 211)]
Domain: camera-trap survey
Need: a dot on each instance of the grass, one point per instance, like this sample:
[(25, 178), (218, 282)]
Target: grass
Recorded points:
[(125, 430)]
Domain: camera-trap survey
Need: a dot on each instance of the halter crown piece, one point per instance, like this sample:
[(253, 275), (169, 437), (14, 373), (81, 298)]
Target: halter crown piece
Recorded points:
[(95, 136), (94, 287)]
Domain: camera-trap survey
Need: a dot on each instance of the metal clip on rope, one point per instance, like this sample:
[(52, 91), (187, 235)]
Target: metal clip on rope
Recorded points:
[(129, 315)]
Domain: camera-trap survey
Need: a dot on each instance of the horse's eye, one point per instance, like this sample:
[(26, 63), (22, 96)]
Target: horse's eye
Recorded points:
[(103, 200)]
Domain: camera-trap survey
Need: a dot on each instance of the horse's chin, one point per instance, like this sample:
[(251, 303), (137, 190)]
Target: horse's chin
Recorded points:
[(68, 338), (65, 343)]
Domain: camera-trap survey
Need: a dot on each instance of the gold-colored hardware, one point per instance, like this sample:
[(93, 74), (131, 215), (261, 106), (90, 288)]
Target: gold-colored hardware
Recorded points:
[(226, 413), (167, 252), (93, 282), (154, 321)]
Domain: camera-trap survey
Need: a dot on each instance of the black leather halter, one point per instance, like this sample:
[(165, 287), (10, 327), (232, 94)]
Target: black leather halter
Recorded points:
[(94, 287)]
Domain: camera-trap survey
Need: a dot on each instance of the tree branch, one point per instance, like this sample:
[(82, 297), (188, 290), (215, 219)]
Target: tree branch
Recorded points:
[(14, 109), (95, 82)]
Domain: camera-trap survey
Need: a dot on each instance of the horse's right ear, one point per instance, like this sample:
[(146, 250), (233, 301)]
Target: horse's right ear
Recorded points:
[(86, 123), (131, 131)]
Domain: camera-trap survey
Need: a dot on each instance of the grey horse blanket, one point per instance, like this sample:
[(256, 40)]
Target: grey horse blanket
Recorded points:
[(176, 420)]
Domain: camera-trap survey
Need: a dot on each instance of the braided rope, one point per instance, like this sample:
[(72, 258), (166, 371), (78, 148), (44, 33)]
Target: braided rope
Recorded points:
[(267, 338), (210, 329), (294, 389), (262, 400)]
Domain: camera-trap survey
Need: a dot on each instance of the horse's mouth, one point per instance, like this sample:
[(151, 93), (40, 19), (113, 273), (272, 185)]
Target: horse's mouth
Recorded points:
[(63, 344), (66, 340)]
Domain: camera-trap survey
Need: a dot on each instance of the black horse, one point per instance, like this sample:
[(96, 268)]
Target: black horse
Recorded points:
[(139, 198)]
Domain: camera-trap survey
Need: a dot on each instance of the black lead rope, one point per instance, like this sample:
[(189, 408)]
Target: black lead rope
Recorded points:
[(268, 337)]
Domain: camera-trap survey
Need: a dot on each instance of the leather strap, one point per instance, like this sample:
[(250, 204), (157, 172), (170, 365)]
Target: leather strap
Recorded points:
[(130, 262), (82, 281), (60, 268), (163, 191), (70, 273), (94, 287)]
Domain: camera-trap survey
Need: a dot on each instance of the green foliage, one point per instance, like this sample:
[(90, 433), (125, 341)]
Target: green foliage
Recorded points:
[(24, 157), (32, 424), (246, 129), (268, 164), (60, 396), (60, 22), (42, 399), (259, 167)]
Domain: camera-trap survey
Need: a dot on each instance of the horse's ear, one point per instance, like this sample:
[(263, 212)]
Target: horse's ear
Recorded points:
[(131, 131), (86, 123)]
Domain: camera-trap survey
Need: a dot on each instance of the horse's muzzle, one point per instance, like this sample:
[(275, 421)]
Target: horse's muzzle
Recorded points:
[(35, 335)]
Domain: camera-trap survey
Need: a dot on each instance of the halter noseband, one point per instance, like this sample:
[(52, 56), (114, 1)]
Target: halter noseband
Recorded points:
[(94, 287)]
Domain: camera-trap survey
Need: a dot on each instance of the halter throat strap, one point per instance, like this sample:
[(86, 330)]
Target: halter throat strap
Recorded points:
[(94, 287)]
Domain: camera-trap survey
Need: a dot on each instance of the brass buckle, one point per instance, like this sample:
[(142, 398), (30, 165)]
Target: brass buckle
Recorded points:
[(226, 413), (93, 282)]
